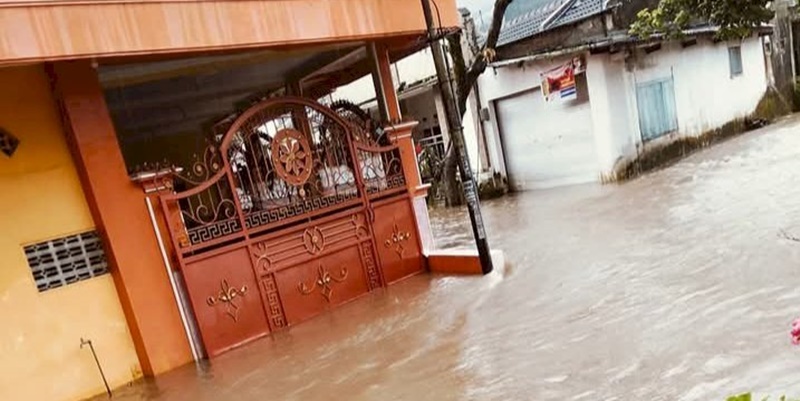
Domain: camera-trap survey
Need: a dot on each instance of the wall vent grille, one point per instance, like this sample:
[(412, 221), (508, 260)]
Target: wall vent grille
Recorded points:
[(66, 260)]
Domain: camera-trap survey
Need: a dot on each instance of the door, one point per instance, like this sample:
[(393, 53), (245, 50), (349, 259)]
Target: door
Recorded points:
[(547, 144)]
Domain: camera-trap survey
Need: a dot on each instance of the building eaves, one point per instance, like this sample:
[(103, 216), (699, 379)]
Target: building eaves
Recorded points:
[(617, 38)]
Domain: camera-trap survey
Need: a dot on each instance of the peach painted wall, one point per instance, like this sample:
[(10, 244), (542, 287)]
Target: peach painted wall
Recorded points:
[(50, 30), (41, 198)]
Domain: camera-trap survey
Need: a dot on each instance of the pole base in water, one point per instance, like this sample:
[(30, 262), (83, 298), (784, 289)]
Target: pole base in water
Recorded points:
[(460, 262)]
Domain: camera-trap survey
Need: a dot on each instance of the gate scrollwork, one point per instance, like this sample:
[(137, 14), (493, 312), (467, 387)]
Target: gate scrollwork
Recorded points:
[(281, 160)]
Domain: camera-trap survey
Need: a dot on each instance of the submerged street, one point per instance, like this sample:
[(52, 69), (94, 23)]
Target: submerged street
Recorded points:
[(675, 286)]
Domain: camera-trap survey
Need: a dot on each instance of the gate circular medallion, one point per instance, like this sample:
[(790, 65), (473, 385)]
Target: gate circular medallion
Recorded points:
[(291, 156)]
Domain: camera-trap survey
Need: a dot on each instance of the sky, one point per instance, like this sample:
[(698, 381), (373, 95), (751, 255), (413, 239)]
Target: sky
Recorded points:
[(476, 4), (484, 6)]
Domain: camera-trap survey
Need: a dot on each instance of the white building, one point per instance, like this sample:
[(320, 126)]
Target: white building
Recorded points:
[(633, 97)]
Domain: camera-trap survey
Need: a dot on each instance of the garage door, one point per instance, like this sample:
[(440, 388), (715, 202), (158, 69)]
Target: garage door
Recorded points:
[(547, 144)]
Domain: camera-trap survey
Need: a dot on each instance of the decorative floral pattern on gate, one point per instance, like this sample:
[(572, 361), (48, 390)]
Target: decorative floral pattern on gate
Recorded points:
[(227, 296), (325, 282), (291, 156)]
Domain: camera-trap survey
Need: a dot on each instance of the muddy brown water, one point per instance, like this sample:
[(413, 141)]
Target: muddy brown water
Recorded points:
[(675, 286)]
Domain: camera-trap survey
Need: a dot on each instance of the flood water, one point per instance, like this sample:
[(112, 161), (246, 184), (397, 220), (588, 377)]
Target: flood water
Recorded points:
[(675, 286)]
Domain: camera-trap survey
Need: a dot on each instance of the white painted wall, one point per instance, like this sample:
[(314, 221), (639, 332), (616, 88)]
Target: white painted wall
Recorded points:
[(614, 112), (706, 95)]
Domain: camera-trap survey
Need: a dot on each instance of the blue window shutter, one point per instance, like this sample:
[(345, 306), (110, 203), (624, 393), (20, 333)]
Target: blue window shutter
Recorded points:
[(670, 110), (657, 110), (735, 60)]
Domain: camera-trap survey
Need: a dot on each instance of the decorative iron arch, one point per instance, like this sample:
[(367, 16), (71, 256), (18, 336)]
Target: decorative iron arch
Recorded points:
[(282, 160), (281, 102)]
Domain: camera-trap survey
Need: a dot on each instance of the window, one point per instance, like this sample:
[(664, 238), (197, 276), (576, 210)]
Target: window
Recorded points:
[(66, 260), (735, 60), (656, 103)]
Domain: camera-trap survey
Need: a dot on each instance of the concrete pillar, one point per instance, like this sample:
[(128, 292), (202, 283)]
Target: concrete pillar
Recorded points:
[(388, 105), (120, 212)]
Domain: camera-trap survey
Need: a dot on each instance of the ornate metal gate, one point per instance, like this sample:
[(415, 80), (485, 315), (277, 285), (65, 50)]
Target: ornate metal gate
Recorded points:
[(295, 210)]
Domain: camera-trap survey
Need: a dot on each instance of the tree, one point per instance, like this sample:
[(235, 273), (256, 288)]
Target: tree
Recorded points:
[(735, 18), (465, 78)]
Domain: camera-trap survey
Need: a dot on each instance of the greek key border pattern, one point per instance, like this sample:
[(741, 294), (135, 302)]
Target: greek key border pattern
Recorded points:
[(276, 316), (261, 218), (368, 258)]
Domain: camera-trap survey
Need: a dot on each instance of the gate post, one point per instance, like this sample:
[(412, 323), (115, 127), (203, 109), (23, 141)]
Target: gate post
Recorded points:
[(154, 184), (401, 135)]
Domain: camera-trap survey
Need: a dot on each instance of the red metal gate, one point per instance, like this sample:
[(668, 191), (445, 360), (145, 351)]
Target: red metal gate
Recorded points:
[(295, 210)]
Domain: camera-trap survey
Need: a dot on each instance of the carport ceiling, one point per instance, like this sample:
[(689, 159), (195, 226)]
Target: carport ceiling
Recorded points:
[(116, 73), (172, 96)]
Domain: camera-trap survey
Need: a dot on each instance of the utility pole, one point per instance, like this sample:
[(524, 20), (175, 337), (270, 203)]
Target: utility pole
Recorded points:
[(457, 137)]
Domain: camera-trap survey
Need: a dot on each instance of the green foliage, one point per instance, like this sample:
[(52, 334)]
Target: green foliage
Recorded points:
[(735, 18)]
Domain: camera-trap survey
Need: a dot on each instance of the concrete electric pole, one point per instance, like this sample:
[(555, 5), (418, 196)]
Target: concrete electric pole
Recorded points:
[(457, 137)]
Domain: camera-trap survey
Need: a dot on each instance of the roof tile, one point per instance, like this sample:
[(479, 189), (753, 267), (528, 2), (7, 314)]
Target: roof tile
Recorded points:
[(530, 24)]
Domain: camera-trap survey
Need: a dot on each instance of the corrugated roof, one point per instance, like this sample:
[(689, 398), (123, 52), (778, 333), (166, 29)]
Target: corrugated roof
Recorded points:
[(555, 13)]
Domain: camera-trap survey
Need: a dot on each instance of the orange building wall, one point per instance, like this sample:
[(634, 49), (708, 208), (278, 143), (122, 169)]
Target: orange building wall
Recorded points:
[(41, 199), (49, 30)]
